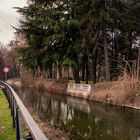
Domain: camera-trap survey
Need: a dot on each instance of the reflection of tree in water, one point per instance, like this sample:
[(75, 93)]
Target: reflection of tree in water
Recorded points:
[(59, 111), (86, 135), (77, 127), (100, 123), (47, 111)]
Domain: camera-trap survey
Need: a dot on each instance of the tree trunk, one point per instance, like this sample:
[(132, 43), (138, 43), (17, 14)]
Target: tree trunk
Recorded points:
[(87, 73), (76, 75), (68, 73), (87, 61), (83, 73), (138, 63), (94, 63), (107, 69), (60, 71), (85, 70), (57, 70), (50, 71)]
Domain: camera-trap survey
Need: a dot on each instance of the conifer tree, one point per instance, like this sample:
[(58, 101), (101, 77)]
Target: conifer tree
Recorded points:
[(91, 36)]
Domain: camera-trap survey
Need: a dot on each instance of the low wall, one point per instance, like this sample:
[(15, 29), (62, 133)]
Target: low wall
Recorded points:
[(79, 90)]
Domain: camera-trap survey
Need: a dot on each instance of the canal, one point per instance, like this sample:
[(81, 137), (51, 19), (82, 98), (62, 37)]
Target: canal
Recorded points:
[(84, 120)]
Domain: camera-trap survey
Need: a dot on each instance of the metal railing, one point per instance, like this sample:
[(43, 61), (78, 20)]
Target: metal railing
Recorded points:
[(18, 110)]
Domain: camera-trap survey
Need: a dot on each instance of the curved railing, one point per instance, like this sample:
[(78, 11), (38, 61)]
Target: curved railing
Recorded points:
[(18, 110)]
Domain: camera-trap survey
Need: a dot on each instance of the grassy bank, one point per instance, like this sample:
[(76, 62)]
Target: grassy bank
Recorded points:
[(7, 132)]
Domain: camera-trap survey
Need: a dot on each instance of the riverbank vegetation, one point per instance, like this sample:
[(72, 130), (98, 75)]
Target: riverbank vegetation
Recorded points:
[(7, 132)]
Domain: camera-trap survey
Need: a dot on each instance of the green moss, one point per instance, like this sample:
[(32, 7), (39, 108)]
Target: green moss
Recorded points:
[(7, 132)]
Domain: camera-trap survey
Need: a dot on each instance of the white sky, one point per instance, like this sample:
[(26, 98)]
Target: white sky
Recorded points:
[(8, 18)]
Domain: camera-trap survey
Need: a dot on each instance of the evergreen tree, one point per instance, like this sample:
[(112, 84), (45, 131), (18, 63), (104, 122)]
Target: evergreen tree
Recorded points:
[(92, 36)]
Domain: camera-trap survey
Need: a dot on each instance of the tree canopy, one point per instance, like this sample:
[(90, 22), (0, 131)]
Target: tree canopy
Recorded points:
[(89, 37)]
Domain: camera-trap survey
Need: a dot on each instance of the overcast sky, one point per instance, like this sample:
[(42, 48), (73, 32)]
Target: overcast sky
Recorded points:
[(9, 17)]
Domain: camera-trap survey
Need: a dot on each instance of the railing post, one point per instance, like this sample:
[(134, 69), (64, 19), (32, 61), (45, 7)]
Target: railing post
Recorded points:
[(18, 125), (9, 98), (29, 137), (14, 112)]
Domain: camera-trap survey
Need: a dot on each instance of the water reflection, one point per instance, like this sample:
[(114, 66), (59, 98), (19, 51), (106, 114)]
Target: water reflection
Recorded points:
[(84, 120)]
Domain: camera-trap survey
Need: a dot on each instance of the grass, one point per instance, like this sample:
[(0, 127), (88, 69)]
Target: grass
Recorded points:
[(7, 132)]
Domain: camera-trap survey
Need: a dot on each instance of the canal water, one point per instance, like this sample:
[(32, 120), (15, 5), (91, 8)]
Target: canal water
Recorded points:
[(83, 120)]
